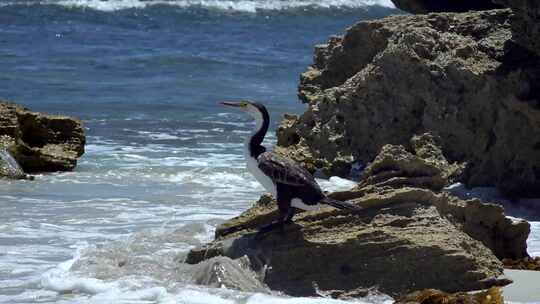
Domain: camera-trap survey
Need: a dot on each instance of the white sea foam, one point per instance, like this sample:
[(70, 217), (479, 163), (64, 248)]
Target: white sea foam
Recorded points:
[(250, 6), (336, 183), (158, 135), (533, 243)]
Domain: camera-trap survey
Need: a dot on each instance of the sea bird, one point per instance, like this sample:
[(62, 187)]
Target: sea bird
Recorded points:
[(289, 183)]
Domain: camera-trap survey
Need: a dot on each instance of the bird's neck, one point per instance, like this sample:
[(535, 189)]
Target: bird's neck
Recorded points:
[(254, 142)]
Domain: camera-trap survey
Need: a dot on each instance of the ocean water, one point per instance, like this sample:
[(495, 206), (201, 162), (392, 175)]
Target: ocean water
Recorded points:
[(163, 164)]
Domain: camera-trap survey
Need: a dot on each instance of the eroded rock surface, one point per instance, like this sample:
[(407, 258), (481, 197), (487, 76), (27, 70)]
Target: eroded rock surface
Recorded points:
[(401, 233), (454, 75), (428, 6), (39, 142), (425, 167), (431, 296), (525, 23)]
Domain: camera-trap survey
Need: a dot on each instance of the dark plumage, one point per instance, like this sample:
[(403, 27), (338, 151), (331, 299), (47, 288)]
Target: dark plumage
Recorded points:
[(291, 184)]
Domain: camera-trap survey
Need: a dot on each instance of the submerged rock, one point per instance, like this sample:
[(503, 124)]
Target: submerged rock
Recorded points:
[(223, 272), (406, 239), (39, 142), (428, 6), (453, 75)]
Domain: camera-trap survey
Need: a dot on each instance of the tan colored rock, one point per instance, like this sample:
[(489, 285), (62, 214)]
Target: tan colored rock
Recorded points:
[(493, 295), (396, 167), (39, 142), (401, 233), (448, 74)]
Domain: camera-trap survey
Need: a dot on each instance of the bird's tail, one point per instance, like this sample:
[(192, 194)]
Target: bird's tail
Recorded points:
[(340, 205)]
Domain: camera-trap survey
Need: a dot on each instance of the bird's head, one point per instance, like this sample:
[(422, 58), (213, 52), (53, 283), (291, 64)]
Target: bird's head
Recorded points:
[(255, 109)]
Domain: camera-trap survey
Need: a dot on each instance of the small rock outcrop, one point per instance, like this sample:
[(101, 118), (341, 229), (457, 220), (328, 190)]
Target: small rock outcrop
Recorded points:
[(428, 6), (39, 142), (431, 296), (454, 75), (400, 233), (425, 167)]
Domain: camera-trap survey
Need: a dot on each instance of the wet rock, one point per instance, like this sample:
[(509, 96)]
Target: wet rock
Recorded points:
[(453, 75), (528, 263), (428, 6), (431, 296), (401, 233), (223, 272), (9, 168), (525, 23), (427, 167), (39, 142)]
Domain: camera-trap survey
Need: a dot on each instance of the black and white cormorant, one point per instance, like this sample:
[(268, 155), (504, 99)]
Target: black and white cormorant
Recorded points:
[(289, 183)]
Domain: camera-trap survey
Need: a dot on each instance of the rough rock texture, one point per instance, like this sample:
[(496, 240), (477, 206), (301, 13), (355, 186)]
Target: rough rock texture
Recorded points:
[(39, 142), (401, 233), (431, 296), (453, 75), (394, 166), (223, 272), (528, 263), (525, 23), (428, 6), (9, 168)]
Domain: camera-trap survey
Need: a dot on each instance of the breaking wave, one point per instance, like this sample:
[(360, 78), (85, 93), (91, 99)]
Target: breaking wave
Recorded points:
[(247, 6)]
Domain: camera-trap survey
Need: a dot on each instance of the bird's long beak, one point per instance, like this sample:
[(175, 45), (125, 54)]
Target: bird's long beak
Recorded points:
[(229, 104)]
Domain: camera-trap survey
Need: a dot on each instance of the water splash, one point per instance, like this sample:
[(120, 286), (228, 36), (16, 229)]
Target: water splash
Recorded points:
[(246, 6), (9, 166)]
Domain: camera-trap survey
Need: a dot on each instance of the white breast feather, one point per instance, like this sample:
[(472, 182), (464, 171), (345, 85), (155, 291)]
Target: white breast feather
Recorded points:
[(266, 182)]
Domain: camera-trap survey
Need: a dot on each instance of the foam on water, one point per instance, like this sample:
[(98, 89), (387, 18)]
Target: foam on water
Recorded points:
[(146, 267), (248, 6), (11, 166)]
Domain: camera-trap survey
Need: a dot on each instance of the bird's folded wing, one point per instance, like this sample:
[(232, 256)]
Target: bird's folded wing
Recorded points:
[(284, 170)]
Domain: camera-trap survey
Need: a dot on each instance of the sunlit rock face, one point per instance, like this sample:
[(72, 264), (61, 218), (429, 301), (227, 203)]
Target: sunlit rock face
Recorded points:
[(456, 75), (40, 142), (401, 233)]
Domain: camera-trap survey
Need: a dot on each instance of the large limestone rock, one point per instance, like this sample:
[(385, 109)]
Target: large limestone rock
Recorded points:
[(39, 142), (525, 23), (454, 75), (428, 6), (405, 239)]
